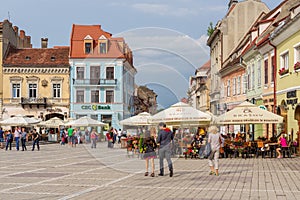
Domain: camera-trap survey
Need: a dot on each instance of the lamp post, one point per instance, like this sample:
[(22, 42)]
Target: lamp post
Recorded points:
[(252, 126)]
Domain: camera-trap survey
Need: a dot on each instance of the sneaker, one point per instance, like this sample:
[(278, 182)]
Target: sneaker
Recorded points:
[(160, 174), (212, 173)]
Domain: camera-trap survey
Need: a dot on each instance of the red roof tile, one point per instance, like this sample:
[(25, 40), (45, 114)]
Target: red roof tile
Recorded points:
[(47, 57), (205, 66), (117, 47)]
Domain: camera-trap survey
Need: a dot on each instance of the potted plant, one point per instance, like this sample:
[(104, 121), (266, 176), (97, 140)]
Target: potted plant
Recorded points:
[(283, 71), (297, 66)]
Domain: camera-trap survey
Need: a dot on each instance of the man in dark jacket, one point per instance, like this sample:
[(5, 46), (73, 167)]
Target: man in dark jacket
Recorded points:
[(164, 140)]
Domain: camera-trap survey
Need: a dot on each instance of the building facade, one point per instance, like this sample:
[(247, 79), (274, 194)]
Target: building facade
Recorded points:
[(226, 37), (10, 36), (36, 82), (145, 100), (199, 90), (102, 75), (286, 38)]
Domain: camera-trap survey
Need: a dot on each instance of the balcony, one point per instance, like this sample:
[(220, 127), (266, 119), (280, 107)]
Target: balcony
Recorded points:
[(100, 82), (34, 101)]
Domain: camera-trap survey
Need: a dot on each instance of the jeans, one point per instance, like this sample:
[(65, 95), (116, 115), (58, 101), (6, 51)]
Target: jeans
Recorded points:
[(214, 161), (8, 143), (93, 142), (201, 151), (23, 141), (37, 143), (17, 143), (165, 153)]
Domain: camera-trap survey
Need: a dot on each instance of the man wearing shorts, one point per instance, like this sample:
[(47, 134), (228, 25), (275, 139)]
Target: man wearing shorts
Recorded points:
[(70, 135)]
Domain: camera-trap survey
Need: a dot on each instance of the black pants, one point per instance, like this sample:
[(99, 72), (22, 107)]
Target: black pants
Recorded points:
[(37, 143), (8, 144), (23, 141)]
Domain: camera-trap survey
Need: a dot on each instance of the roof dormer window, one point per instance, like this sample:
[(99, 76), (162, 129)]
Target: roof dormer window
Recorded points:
[(52, 58), (27, 58), (102, 44), (88, 44)]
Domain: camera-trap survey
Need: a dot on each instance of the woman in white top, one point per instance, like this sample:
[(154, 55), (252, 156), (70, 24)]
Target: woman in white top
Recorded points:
[(214, 138)]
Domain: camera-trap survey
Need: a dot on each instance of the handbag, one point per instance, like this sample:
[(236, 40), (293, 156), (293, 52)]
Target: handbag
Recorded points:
[(207, 150)]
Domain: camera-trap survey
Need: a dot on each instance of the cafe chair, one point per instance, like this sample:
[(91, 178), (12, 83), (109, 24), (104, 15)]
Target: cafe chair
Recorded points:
[(260, 150)]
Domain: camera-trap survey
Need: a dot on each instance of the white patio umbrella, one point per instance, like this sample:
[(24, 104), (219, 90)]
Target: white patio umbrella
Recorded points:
[(213, 117), (20, 120), (84, 122), (142, 119), (52, 123), (248, 113), (182, 113)]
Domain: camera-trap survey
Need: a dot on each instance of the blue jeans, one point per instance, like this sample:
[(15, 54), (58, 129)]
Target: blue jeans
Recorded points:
[(17, 143), (8, 144), (37, 143), (165, 153)]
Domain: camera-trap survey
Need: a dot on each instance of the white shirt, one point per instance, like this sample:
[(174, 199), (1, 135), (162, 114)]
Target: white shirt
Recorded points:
[(17, 133)]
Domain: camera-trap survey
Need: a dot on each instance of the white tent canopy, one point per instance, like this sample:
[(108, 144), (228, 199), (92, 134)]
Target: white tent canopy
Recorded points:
[(84, 122), (20, 120), (142, 119), (182, 113), (52, 123), (248, 113)]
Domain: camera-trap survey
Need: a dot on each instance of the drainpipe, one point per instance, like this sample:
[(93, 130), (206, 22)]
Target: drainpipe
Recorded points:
[(275, 82)]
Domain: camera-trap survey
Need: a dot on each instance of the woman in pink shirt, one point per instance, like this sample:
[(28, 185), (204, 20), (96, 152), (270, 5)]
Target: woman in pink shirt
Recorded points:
[(283, 143)]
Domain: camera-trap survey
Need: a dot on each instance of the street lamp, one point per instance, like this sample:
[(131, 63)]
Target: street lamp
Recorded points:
[(252, 101)]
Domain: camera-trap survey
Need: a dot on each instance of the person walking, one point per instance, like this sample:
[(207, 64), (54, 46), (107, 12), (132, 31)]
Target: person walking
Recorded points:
[(17, 134), (70, 135), (94, 138), (119, 136), (148, 147), (23, 139), (9, 139), (1, 138), (36, 140), (164, 141), (214, 139)]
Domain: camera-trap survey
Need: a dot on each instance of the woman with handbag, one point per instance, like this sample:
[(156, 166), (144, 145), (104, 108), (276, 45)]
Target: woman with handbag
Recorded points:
[(214, 139)]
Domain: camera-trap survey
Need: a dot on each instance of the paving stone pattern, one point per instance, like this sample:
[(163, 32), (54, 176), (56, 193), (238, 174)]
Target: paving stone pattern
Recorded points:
[(61, 172)]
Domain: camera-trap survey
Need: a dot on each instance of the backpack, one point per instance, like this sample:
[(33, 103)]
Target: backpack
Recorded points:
[(9, 138)]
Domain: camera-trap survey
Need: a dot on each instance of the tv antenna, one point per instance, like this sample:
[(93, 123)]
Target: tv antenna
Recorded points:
[(8, 14)]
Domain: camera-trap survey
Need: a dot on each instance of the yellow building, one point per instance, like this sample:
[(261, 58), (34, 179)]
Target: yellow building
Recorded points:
[(10, 37), (36, 82), (286, 38)]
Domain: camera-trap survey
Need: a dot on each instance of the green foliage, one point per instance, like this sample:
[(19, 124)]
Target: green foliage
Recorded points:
[(210, 29)]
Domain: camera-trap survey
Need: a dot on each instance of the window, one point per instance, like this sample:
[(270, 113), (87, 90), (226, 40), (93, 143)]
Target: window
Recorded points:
[(32, 90), (259, 73), (94, 117), (95, 96), (102, 47), (222, 90), (56, 90), (110, 74), (80, 96), (88, 47), (249, 79), (228, 88), (266, 71), (80, 73), (109, 96), (234, 86), (253, 77), (238, 85), (245, 83), (284, 61), (297, 54), (16, 90), (273, 69)]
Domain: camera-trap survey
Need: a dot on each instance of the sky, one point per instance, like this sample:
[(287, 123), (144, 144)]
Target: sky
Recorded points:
[(167, 37)]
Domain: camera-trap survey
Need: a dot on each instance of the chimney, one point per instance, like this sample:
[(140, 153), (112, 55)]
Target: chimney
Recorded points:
[(231, 3), (16, 29), (44, 43), (22, 34)]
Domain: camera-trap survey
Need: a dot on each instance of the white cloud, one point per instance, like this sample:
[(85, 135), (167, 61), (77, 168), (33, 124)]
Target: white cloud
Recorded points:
[(163, 9)]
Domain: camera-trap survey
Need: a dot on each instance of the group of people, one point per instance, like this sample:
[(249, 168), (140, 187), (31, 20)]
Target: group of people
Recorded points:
[(18, 135)]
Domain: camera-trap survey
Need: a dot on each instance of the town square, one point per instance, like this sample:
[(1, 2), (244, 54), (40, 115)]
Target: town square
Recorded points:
[(149, 99)]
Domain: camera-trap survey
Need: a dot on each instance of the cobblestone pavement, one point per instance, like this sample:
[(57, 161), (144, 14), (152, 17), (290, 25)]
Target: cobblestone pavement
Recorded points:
[(61, 172)]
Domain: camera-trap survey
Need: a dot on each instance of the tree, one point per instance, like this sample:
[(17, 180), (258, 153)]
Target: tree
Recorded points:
[(210, 29)]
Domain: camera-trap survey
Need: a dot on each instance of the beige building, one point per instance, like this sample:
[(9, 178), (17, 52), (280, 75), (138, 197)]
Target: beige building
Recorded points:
[(145, 100), (224, 40), (9, 37), (198, 94), (36, 82)]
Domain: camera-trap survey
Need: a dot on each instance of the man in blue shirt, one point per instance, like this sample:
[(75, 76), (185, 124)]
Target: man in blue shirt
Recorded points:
[(164, 140)]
